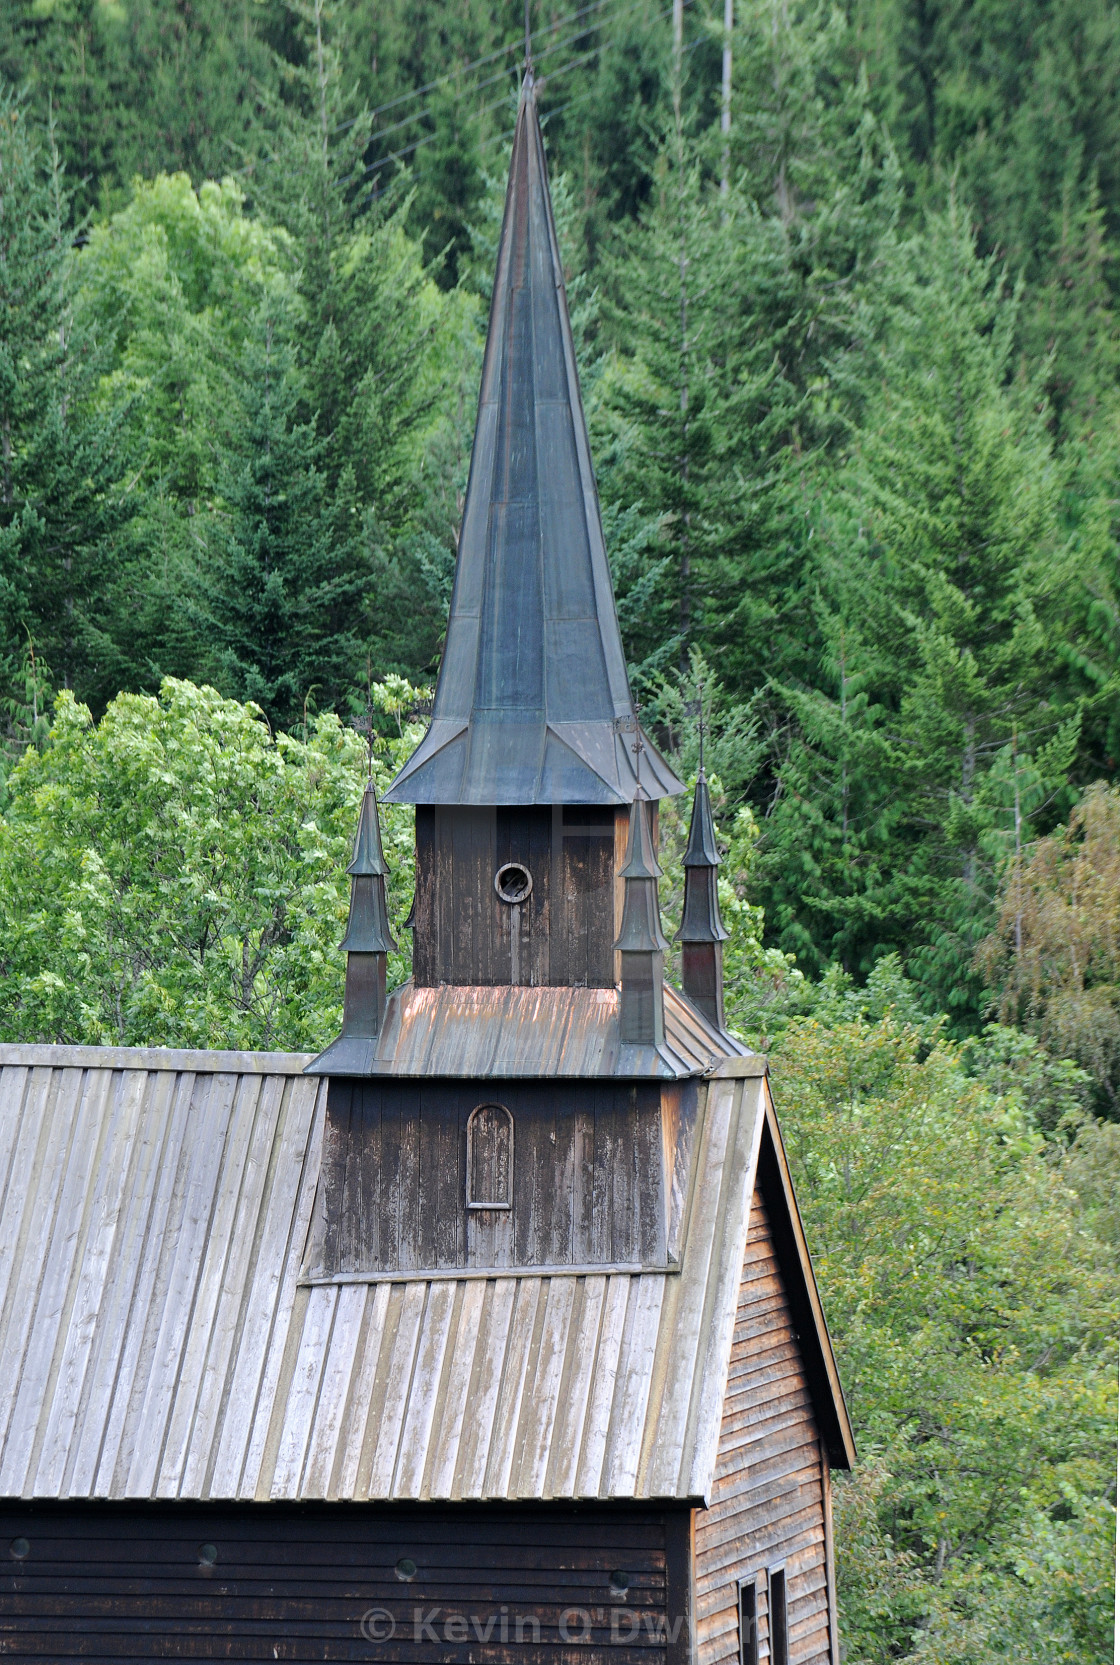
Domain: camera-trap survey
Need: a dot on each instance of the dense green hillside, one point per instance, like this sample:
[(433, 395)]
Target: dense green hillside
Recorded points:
[(852, 372)]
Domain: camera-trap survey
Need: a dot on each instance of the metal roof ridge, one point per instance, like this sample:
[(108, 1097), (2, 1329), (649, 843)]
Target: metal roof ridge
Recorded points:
[(63, 1055)]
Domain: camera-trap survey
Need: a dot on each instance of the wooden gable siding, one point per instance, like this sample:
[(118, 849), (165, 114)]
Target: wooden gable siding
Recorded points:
[(118, 1582), (769, 1494), (588, 1184), (566, 928)]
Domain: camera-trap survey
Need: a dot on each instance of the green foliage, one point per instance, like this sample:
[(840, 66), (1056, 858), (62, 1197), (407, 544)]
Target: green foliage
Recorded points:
[(63, 503), (171, 283), (1053, 958), (174, 874), (975, 1323), (379, 345), (852, 378), (946, 719), (285, 568), (140, 86)]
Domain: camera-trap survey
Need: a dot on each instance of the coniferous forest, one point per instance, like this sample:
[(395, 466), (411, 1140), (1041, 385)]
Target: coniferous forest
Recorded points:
[(846, 294)]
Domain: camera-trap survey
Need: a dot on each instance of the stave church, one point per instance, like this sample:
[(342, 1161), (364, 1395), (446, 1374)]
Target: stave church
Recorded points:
[(490, 1336)]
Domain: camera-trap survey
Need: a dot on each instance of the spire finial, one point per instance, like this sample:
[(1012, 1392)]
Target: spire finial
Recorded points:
[(639, 748), (528, 40), (700, 722)]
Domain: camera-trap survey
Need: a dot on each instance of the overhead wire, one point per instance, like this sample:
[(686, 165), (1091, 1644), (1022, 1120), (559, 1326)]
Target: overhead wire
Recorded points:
[(466, 92), (515, 46), (477, 87), (580, 98)]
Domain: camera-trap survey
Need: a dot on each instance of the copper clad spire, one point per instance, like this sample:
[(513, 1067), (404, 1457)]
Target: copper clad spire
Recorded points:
[(641, 942), (368, 929), (702, 934), (366, 944), (533, 704)]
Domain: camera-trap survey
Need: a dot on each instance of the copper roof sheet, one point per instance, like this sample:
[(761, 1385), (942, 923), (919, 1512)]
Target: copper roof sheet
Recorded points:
[(498, 1030), (533, 704)]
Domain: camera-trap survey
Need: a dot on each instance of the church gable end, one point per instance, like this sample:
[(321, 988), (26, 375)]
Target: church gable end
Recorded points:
[(768, 1510)]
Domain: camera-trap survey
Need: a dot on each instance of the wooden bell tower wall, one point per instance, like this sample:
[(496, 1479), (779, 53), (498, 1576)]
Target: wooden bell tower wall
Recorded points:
[(591, 1173), (562, 935)]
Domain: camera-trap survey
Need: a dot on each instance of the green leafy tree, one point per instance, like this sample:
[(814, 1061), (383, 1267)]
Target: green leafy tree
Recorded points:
[(175, 874), (170, 285), (1053, 958), (171, 282), (974, 1318)]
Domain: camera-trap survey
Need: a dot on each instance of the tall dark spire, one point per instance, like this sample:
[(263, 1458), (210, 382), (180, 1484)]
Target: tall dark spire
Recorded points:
[(533, 705), (702, 935), (641, 942)]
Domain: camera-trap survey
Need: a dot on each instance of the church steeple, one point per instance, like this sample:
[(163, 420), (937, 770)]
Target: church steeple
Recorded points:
[(533, 704)]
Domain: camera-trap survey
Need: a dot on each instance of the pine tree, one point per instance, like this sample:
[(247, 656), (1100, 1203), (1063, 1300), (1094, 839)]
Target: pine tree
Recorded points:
[(695, 407), (745, 320), (142, 89), (286, 574), (63, 513), (377, 340), (963, 592)]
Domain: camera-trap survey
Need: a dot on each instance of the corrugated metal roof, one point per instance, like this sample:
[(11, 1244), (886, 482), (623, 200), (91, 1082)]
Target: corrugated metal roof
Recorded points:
[(533, 704), (157, 1341), (497, 1030)]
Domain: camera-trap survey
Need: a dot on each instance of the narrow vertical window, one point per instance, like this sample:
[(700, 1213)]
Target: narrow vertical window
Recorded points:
[(779, 1618), (748, 1623), (490, 1157)]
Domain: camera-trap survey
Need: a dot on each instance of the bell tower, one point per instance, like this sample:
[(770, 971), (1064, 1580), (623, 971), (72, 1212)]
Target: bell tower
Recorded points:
[(524, 780), (529, 1098)]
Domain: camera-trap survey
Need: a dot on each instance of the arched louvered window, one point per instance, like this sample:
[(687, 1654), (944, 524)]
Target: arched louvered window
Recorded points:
[(490, 1157)]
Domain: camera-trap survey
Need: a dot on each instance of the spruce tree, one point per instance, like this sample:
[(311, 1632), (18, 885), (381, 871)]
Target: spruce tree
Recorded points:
[(376, 339), (63, 509), (960, 588), (285, 572)]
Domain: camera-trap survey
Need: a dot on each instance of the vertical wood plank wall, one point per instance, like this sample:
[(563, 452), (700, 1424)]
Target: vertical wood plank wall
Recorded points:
[(768, 1501), (565, 929), (588, 1176)]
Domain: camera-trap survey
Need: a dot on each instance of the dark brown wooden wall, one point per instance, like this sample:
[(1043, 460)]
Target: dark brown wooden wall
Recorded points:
[(769, 1499), (113, 1582), (565, 931), (589, 1184)]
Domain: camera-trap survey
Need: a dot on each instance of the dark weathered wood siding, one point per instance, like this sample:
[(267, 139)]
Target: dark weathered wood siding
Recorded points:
[(769, 1498), (565, 931), (116, 1582), (589, 1180)]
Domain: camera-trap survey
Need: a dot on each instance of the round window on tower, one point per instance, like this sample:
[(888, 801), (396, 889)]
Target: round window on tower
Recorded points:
[(513, 882)]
